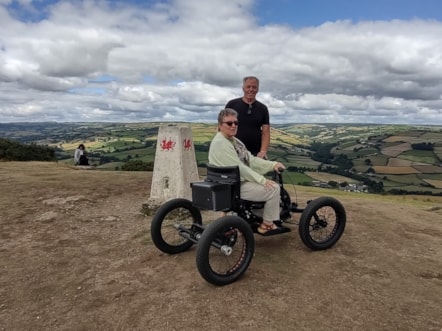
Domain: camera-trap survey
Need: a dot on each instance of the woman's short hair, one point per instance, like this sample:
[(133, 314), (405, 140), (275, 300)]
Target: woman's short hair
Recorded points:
[(226, 112)]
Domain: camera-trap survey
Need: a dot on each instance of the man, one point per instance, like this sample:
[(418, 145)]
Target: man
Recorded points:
[(253, 117)]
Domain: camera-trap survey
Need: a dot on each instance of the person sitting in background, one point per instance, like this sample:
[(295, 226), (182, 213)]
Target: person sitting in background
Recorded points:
[(80, 156), (227, 150)]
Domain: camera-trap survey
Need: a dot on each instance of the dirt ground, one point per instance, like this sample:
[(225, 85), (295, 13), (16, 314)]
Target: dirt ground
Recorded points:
[(76, 254)]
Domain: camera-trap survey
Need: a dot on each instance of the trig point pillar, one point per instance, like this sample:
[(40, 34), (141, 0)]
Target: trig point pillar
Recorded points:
[(175, 165)]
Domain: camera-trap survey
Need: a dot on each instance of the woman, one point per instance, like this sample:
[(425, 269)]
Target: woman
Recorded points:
[(227, 150), (80, 156)]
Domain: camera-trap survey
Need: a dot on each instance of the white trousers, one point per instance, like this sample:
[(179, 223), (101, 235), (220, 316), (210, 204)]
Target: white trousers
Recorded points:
[(257, 192)]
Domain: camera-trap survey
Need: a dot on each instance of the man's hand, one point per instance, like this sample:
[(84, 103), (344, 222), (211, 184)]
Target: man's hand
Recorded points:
[(262, 155)]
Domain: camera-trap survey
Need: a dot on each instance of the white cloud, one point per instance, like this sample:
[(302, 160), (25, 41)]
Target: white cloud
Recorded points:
[(182, 60)]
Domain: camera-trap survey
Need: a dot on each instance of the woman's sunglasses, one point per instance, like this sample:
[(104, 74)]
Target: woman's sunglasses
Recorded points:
[(230, 123)]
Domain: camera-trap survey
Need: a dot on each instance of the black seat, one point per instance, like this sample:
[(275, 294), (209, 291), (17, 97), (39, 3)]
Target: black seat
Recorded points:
[(230, 175), (219, 191), (225, 175)]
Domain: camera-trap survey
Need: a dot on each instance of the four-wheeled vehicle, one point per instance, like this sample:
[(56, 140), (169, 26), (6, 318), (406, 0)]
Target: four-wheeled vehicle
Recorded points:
[(225, 246)]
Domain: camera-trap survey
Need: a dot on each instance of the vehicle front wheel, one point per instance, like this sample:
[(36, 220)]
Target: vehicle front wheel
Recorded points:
[(225, 250), (322, 223)]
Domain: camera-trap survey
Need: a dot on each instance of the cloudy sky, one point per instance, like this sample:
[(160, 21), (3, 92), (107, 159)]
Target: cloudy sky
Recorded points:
[(319, 61)]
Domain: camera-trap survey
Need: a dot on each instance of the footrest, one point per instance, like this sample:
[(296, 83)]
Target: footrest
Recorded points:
[(279, 230)]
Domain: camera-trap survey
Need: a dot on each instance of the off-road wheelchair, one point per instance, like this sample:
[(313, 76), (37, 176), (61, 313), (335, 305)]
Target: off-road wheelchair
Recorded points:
[(225, 246)]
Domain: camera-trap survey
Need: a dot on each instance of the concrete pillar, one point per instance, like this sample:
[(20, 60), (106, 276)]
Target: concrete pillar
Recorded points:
[(175, 165)]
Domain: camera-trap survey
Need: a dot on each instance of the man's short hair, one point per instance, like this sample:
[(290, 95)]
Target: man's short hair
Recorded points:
[(250, 77)]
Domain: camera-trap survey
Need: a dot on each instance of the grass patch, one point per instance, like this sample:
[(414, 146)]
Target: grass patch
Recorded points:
[(412, 179), (418, 156)]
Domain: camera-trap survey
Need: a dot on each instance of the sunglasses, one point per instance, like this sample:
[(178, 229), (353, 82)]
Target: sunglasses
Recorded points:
[(250, 109), (230, 123)]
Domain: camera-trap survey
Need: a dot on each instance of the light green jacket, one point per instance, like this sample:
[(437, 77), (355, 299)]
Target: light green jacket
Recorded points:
[(222, 153)]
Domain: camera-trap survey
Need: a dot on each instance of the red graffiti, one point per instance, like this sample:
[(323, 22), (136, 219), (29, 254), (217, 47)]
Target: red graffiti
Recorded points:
[(167, 145), (187, 144)]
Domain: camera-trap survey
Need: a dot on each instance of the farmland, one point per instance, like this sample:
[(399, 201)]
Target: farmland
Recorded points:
[(381, 153)]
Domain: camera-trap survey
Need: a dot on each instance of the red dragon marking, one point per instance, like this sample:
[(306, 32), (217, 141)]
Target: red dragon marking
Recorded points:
[(167, 145), (187, 144)]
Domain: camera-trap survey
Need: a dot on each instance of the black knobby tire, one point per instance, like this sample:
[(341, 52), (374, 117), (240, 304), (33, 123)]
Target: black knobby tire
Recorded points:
[(163, 230), (322, 223), (232, 233)]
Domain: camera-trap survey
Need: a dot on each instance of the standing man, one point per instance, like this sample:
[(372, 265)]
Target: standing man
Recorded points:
[(253, 117)]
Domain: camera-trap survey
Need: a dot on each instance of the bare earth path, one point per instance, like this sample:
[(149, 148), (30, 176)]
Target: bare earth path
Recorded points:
[(75, 254)]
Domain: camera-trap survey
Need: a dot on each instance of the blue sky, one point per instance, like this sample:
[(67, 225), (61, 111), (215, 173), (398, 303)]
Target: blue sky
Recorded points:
[(129, 61), (316, 12), (294, 12)]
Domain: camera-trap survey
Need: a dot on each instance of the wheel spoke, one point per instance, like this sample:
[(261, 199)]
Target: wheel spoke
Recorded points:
[(223, 264)]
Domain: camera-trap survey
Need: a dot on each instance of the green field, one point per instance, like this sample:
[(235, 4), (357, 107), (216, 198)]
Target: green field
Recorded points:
[(419, 156), (111, 145)]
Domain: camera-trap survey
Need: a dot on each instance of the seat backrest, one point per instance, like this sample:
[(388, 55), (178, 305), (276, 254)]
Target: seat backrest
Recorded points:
[(225, 175)]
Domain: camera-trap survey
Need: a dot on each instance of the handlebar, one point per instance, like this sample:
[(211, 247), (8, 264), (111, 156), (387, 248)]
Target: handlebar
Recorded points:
[(277, 176)]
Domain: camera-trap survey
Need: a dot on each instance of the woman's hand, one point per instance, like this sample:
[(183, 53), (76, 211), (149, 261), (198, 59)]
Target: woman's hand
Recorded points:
[(269, 184), (278, 166)]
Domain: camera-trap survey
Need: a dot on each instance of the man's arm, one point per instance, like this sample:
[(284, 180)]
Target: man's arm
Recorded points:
[(265, 141)]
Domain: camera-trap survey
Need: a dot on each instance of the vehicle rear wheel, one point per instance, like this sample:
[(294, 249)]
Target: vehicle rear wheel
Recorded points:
[(167, 221)]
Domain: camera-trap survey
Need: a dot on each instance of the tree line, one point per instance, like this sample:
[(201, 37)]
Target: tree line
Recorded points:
[(15, 151)]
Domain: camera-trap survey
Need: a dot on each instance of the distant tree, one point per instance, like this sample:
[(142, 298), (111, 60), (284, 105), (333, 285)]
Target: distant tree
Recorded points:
[(15, 151), (322, 152), (137, 165), (333, 183), (106, 159), (423, 146), (342, 162), (375, 187)]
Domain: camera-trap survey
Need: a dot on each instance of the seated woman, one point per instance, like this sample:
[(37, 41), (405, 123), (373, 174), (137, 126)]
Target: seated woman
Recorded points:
[(80, 156), (226, 150)]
